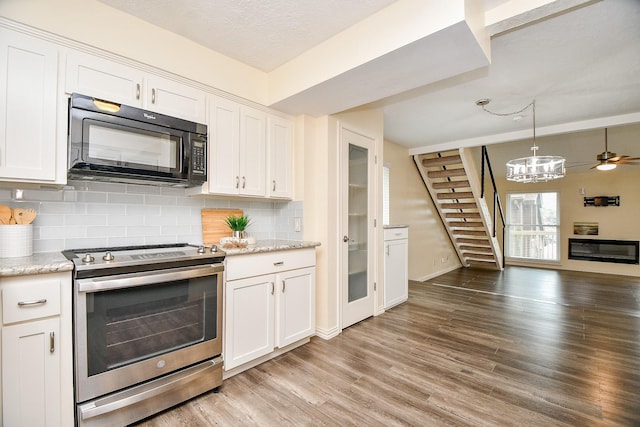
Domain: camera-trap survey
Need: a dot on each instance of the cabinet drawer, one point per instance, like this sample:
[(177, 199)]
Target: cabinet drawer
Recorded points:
[(30, 298), (396, 233), (240, 266)]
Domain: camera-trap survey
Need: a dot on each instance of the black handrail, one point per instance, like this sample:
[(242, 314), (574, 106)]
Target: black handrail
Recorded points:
[(496, 197)]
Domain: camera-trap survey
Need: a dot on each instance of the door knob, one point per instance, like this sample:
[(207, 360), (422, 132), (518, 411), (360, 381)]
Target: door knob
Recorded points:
[(345, 239)]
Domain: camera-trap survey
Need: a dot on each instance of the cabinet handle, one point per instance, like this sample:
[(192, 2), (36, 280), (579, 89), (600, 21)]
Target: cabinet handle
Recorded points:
[(283, 286), (244, 182), (36, 302), (274, 185), (279, 263), (273, 288), (237, 181), (137, 90), (52, 342), (153, 96)]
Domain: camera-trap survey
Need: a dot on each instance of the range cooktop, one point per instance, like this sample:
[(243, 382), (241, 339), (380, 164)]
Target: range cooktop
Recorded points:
[(162, 256)]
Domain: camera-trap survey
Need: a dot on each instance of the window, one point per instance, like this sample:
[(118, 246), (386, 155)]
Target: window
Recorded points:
[(385, 195), (533, 226)]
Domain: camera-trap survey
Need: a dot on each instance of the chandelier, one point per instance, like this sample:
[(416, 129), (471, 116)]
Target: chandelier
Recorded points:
[(533, 168)]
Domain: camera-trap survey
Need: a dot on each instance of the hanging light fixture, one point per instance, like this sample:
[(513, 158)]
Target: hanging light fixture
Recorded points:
[(533, 168)]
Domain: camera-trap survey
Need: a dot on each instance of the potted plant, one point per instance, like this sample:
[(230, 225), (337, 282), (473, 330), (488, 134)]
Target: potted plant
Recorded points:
[(238, 224)]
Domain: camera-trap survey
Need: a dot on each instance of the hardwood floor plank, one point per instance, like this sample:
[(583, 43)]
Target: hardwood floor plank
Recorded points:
[(472, 347)]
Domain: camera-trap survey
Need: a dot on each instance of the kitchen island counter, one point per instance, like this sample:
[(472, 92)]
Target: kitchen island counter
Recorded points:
[(262, 246), (41, 263)]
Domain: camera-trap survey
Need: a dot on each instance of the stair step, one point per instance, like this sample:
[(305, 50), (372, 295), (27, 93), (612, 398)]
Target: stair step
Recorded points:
[(480, 257), (441, 161), (476, 249), (466, 215), (454, 196), (483, 264), (464, 232), (465, 224), (458, 206), (479, 242), (450, 184), (447, 173)]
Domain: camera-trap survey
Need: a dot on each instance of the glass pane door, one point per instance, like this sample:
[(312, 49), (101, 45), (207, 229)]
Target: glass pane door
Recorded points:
[(357, 211)]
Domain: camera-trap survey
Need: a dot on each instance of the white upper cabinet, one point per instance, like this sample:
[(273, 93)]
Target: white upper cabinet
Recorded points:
[(175, 99), (104, 79), (237, 148), (28, 111), (112, 81), (253, 159), (280, 146)]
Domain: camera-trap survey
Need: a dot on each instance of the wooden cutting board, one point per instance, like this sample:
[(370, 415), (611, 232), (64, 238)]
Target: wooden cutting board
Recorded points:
[(214, 226)]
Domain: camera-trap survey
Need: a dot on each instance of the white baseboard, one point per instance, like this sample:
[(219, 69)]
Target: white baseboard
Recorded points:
[(327, 334), (437, 273)]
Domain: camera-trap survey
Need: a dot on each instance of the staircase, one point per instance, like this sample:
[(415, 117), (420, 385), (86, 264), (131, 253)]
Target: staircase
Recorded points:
[(456, 191)]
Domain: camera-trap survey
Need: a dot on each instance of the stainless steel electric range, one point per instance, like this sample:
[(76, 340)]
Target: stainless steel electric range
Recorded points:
[(147, 329)]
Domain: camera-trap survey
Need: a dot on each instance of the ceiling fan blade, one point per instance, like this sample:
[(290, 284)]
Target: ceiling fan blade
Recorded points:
[(615, 159), (626, 158)]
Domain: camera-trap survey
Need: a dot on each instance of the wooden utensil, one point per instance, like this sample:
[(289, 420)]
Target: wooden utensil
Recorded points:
[(24, 216), (5, 214)]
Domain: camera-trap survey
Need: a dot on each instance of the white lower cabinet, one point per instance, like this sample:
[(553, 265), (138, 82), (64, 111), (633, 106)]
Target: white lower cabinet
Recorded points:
[(37, 375), (396, 274), (266, 312)]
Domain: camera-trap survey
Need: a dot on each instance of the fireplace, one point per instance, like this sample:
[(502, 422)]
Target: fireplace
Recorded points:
[(618, 251)]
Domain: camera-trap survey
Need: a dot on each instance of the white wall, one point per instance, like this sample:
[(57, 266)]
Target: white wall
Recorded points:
[(410, 204)]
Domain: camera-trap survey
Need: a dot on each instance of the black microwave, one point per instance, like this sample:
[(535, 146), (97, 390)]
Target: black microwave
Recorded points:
[(120, 143)]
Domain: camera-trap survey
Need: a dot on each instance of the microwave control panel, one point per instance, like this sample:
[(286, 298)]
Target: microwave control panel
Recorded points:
[(198, 158)]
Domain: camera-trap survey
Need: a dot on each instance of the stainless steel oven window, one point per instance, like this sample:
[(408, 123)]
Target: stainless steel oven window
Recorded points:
[(133, 324)]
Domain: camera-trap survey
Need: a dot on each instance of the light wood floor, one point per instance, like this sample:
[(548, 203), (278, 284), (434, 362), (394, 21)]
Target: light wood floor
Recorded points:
[(523, 347)]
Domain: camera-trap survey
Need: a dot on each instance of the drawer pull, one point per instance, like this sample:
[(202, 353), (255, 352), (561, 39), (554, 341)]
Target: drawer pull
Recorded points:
[(279, 263), (52, 342), (28, 303)]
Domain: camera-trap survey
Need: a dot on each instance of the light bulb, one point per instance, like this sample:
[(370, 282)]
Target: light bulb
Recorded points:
[(606, 166)]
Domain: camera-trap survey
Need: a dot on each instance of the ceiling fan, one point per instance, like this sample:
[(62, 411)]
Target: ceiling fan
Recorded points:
[(608, 160)]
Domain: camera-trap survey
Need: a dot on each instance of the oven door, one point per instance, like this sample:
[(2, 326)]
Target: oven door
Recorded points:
[(135, 327)]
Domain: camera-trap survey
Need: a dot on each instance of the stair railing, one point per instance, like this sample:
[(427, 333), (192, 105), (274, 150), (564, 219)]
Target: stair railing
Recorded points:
[(497, 205)]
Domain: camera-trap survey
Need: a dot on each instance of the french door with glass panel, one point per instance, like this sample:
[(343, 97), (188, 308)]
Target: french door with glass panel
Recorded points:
[(358, 208)]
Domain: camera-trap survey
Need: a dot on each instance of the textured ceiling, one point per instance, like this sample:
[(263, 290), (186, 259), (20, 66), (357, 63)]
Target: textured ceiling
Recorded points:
[(264, 34), (582, 66)]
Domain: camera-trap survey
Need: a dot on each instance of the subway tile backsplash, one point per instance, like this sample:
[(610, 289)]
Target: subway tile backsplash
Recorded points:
[(91, 214)]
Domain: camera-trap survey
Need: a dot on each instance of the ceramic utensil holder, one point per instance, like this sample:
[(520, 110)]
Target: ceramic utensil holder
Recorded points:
[(16, 240)]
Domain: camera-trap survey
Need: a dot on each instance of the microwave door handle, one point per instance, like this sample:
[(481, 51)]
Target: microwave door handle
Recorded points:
[(97, 284)]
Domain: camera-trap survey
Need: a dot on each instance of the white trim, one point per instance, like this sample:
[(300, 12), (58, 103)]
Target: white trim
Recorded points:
[(327, 334), (437, 273)]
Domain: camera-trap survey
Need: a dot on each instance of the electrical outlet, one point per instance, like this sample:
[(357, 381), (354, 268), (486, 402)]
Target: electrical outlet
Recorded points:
[(297, 224), (443, 260)]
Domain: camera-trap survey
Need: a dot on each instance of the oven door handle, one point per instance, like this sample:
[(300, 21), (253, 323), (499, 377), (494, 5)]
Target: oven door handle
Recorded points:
[(98, 284)]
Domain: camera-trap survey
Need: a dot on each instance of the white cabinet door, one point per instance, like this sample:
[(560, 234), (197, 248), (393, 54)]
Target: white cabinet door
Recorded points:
[(280, 146), (111, 81), (224, 146), (31, 374), (249, 319), (296, 309), (253, 159), (28, 105), (175, 99), (396, 280), (104, 79)]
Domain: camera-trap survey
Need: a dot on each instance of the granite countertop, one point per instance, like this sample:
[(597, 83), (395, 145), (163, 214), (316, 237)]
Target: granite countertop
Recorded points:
[(270, 246), (43, 263)]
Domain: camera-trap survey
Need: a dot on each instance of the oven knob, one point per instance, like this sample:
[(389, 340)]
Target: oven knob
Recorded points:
[(108, 257), (214, 248), (201, 250), (88, 259)]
